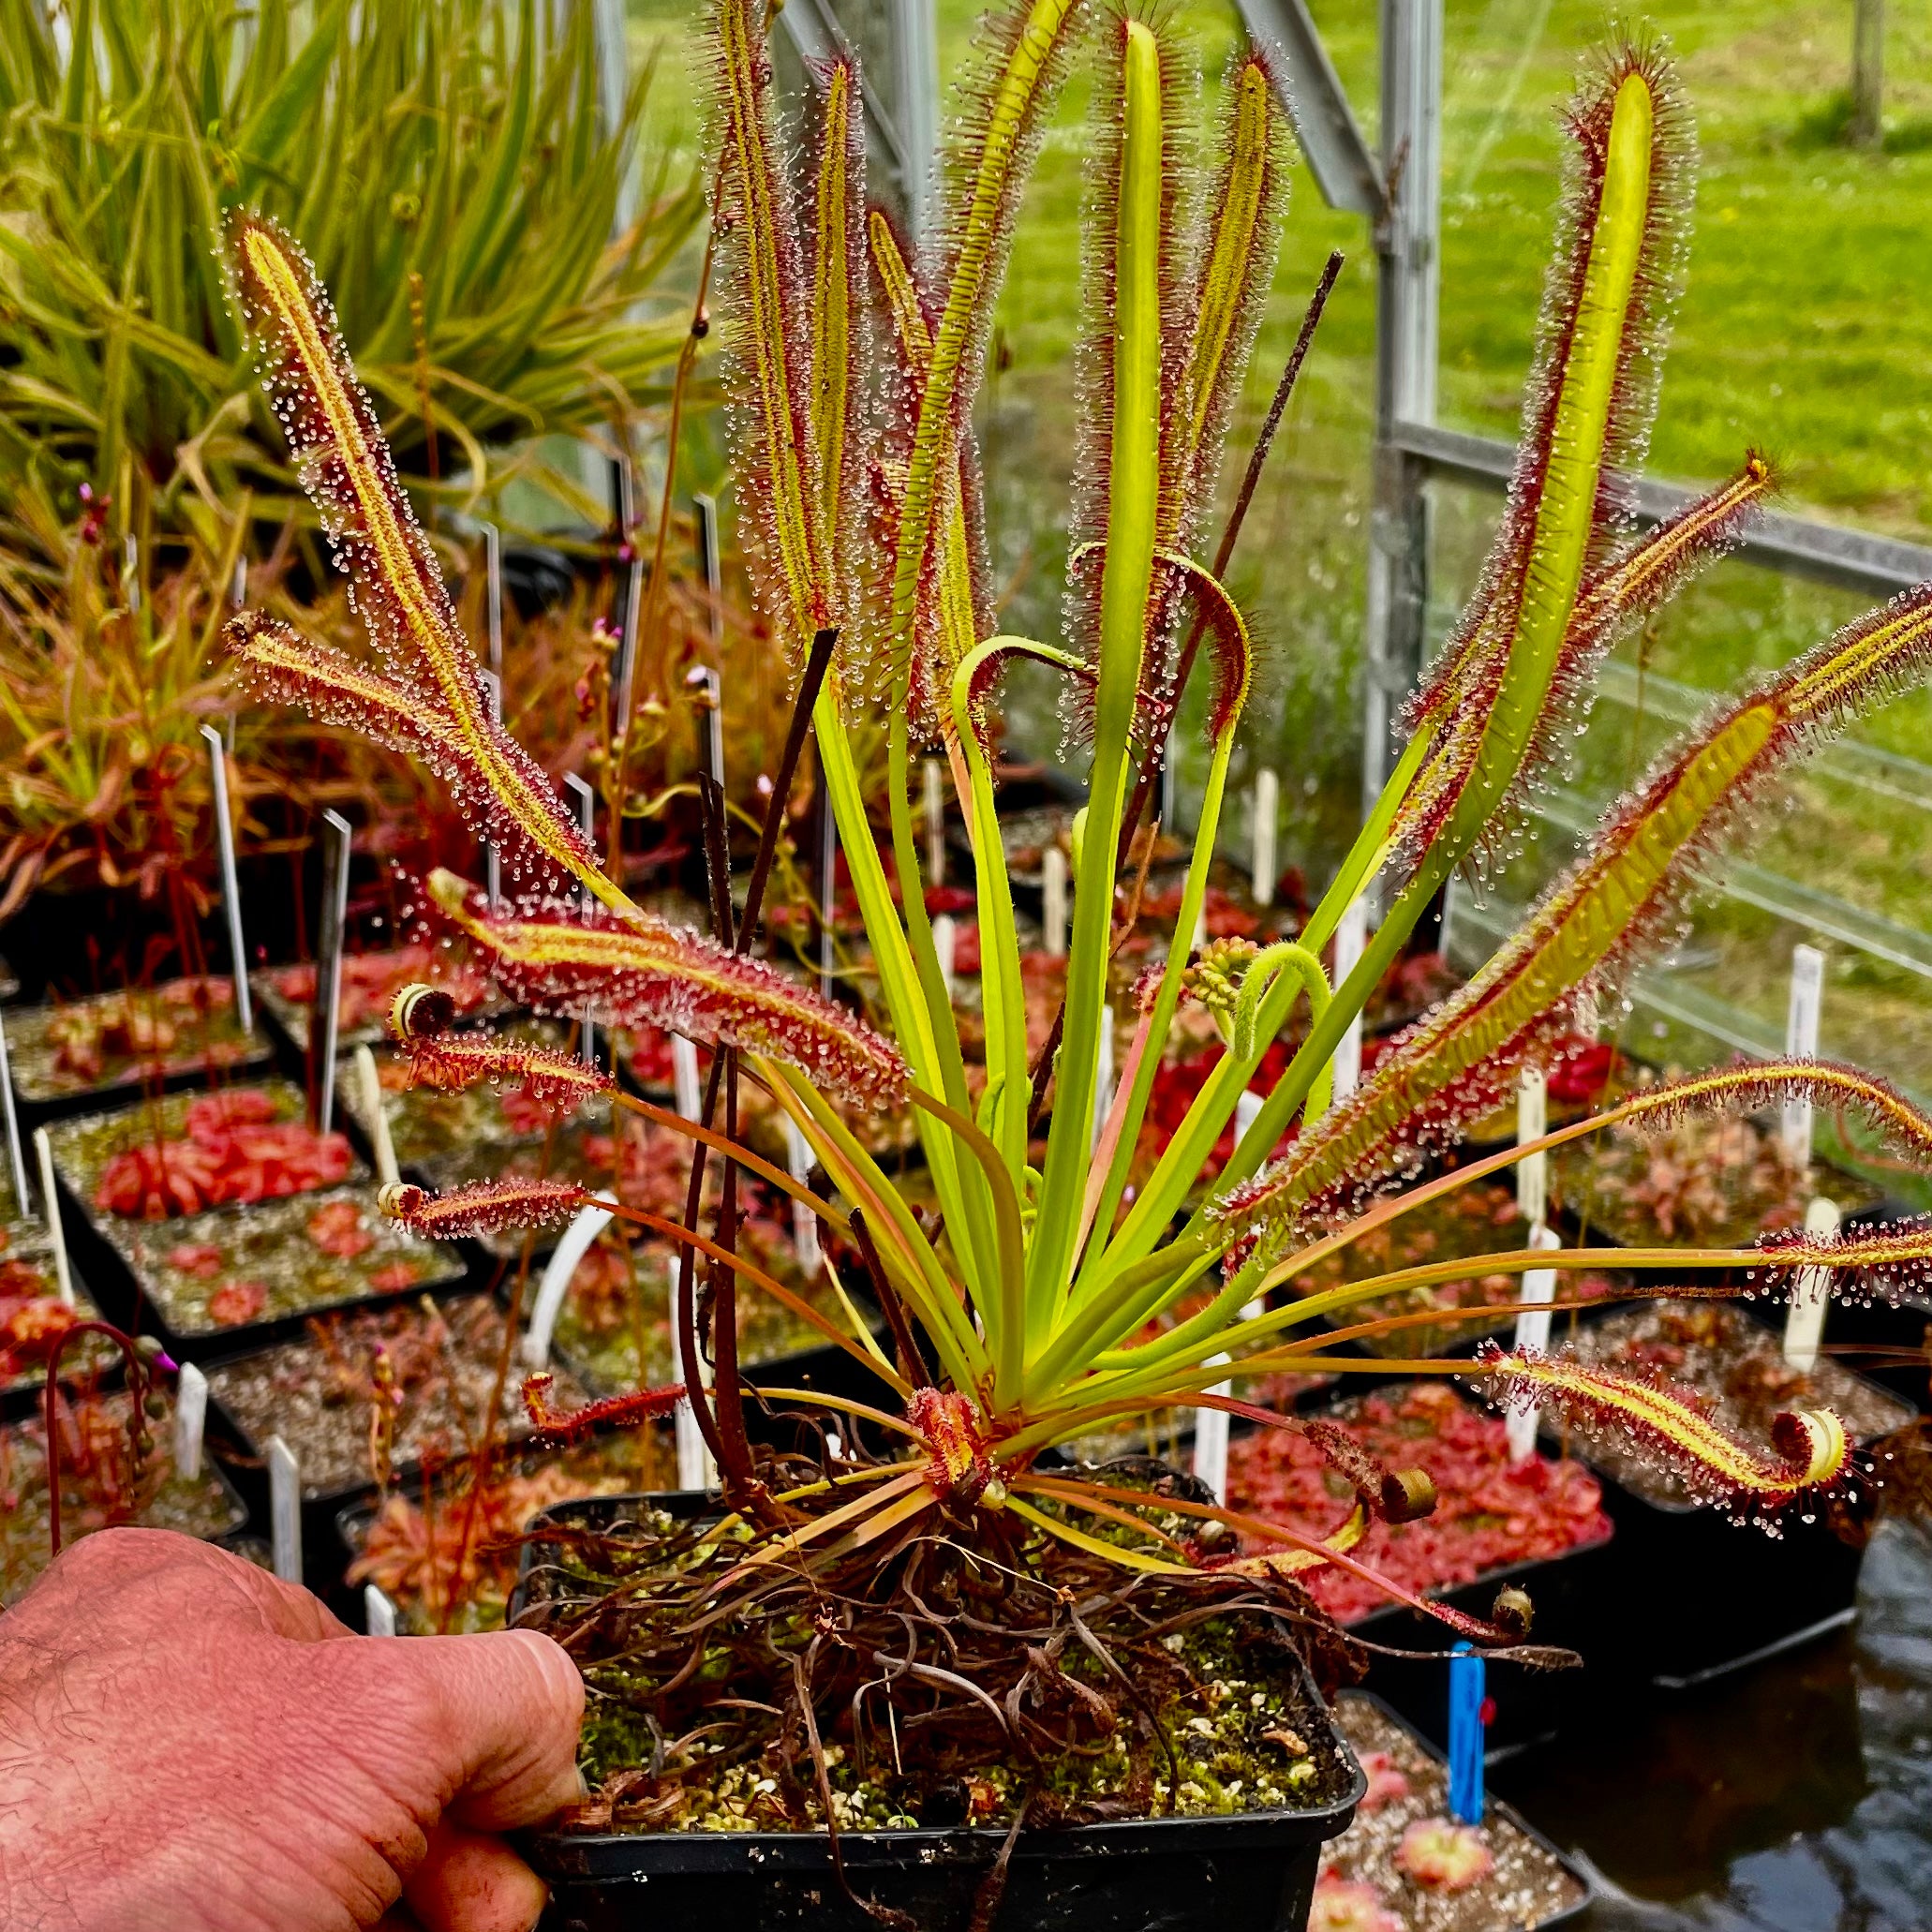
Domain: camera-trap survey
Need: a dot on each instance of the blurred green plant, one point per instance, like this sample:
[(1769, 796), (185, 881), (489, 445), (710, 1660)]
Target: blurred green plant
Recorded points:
[(446, 163)]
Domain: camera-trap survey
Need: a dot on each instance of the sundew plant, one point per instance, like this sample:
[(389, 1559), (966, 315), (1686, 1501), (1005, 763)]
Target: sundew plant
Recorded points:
[(1044, 1301)]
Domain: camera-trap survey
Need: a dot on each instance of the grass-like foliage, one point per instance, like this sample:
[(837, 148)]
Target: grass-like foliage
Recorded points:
[(1043, 1302), (447, 164)]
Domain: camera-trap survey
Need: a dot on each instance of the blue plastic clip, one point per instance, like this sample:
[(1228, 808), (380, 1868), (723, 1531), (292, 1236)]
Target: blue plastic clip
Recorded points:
[(1466, 1693)]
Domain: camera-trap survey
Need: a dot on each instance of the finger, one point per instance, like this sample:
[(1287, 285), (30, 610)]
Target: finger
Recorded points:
[(471, 1882), (502, 1718)]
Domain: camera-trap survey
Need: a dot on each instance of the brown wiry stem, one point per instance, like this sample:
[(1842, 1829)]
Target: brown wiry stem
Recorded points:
[(724, 1427), (893, 1309), (619, 767), (137, 1394), (685, 1314)]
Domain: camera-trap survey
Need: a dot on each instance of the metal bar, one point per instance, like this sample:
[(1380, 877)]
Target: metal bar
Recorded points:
[(325, 1015), (918, 112), (1655, 988), (493, 858), (813, 30), (1872, 767), (712, 568), (1408, 264), (1325, 125), (613, 51), (493, 594), (231, 885), (1771, 892), (585, 800), (1854, 558)]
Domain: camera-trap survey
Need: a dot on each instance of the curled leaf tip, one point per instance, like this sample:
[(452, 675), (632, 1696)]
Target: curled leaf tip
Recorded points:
[(420, 1012), (559, 1428), (483, 1207), (1671, 1426)]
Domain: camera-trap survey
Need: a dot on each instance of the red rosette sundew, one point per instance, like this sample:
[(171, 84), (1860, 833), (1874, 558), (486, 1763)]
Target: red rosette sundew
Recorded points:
[(237, 1303), (1490, 1513), (233, 1150), (341, 1229)]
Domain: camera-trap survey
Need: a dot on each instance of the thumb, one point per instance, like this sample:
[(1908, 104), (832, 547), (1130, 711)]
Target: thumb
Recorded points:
[(501, 1712)]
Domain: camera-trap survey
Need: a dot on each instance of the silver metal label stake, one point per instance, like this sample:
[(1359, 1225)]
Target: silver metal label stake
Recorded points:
[(231, 888), (493, 595), (325, 1017), (624, 670), (492, 859), (285, 1510), (16, 1161)]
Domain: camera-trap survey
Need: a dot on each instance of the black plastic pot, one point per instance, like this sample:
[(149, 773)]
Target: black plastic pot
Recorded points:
[(254, 1057), (115, 1260), (1249, 1874), (1494, 1809), (1696, 1597), (1693, 1597), (1569, 1593), (1253, 1873)]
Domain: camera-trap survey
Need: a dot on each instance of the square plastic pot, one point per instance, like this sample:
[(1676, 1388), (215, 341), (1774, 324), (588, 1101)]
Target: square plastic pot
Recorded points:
[(1568, 1594), (1693, 1597), (1494, 1809), (1253, 1873), (1696, 1597)]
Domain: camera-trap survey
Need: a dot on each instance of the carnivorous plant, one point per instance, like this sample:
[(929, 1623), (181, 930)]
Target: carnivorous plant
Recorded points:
[(1043, 1301)]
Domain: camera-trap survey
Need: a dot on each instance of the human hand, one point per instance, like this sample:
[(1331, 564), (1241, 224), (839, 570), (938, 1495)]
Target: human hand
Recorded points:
[(187, 1745)]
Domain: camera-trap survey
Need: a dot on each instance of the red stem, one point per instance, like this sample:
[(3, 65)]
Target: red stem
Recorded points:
[(137, 1391)]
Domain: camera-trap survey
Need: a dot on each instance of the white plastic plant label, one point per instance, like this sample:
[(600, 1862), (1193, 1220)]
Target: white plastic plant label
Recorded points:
[(933, 800), (1104, 1075), (684, 1078), (695, 1469), (283, 1510), (1532, 1123), (375, 1118), (945, 943), (1533, 1331), (804, 1221), (1351, 935), (190, 1419), (379, 1613), (1800, 1043), (50, 1198), (1811, 1293), (1264, 822), (1053, 901), (557, 1272)]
